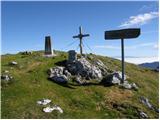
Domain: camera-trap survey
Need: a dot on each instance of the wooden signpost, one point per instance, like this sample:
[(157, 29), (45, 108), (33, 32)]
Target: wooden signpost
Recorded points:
[(122, 34)]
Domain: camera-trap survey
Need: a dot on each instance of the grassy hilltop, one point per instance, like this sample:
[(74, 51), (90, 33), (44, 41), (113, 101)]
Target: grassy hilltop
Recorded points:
[(30, 84)]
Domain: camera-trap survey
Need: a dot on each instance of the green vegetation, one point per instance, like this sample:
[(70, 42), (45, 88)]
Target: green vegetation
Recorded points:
[(30, 84)]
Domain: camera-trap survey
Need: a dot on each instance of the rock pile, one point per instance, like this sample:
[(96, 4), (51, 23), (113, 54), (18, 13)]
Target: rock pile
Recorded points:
[(81, 68), (85, 69)]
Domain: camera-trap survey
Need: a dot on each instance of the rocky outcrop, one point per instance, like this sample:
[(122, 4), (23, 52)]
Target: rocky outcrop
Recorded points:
[(85, 69)]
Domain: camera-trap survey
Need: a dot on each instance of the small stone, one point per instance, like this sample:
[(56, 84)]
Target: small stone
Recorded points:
[(13, 63), (50, 109), (134, 86), (43, 102), (143, 115), (47, 109), (126, 85), (6, 77), (146, 102), (6, 71)]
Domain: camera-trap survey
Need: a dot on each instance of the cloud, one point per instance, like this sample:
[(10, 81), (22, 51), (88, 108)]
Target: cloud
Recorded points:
[(150, 44), (139, 60), (156, 46), (150, 7), (107, 46), (139, 19)]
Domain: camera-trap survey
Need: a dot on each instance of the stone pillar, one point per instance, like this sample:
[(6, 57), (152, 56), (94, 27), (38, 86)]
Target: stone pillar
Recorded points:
[(72, 56), (48, 46)]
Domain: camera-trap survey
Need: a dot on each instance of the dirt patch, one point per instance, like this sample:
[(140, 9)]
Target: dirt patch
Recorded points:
[(118, 95)]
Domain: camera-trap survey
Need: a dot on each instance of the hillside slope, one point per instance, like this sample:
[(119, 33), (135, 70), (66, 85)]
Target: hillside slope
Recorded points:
[(30, 84)]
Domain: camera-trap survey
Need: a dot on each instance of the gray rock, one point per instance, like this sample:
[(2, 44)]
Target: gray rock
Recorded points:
[(143, 115), (118, 75), (134, 86), (60, 79), (43, 101), (126, 85), (78, 80), (50, 109), (146, 102), (68, 74), (6, 77), (57, 74), (55, 71), (113, 79)]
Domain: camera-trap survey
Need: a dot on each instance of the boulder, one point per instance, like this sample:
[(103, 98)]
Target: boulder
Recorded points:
[(114, 78), (60, 79), (59, 75)]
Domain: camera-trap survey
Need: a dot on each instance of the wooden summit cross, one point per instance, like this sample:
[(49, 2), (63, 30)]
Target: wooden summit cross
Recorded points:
[(80, 36), (121, 34)]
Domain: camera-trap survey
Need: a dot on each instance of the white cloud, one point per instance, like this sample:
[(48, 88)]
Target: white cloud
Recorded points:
[(107, 46), (139, 60), (156, 46), (139, 19), (150, 44)]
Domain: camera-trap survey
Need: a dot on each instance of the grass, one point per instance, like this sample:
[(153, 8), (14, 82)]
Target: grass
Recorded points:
[(30, 84)]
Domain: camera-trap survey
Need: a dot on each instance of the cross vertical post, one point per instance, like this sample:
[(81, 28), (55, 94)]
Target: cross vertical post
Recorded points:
[(80, 36), (122, 46)]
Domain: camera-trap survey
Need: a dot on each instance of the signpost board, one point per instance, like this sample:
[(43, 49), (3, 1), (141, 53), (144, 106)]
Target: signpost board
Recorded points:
[(122, 34)]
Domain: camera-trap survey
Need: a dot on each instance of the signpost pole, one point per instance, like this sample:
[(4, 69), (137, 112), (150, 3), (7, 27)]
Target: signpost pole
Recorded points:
[(80, 46), (122, 46)]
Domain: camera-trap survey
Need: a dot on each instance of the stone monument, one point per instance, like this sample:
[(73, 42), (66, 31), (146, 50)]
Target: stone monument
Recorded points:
[(72, 56), (48, 47)]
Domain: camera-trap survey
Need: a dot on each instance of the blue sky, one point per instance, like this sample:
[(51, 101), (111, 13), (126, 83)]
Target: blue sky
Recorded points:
[(25, 25)]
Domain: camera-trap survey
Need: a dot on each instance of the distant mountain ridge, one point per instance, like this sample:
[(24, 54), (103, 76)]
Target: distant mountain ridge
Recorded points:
[(152, 65)]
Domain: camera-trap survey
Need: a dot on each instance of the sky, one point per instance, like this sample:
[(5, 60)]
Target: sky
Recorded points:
[(25, 25)]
